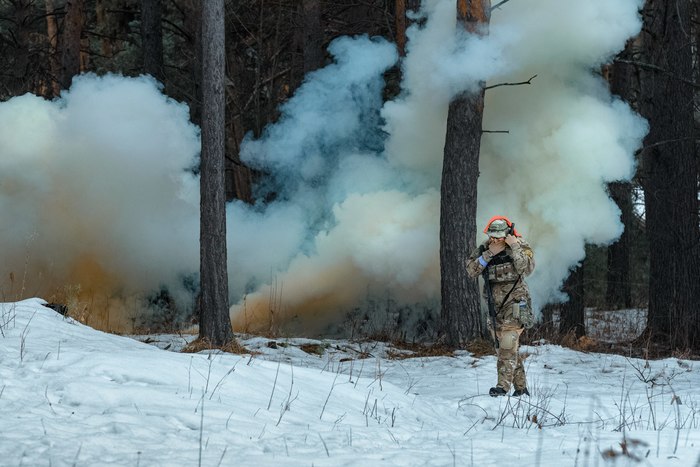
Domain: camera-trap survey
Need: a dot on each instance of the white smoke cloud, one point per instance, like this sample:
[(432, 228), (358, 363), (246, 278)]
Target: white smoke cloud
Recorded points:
[(95, 187), (567, 138), (95, 191)]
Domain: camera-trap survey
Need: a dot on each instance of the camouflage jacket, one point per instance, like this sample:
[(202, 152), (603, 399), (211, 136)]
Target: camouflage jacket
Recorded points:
[(507, 271)]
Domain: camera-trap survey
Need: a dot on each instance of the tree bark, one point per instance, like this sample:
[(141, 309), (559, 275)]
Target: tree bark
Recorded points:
[(618, 288), (670, 171), (400, 14), (193, 26), (461, 311), (52, 35), (313, 35), (618, 293), (152, 37), (16, 42), (72, 32), (571, 319), (413, 5), (214, 323)]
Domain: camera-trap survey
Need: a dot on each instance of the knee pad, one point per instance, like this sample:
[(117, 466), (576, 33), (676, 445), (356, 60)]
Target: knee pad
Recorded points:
[(508, 340)]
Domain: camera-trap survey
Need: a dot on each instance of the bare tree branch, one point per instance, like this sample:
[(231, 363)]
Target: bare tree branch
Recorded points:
[(499, 4), (511, 84), (649, 66), (668, 141)]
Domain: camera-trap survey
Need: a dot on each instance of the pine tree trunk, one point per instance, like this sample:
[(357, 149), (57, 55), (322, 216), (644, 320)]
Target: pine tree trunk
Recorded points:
[(193, 26), (401, 22), (313, 35), (572, 312), (461, 311), (52, 35), (72, 32), (152, 37), (19, 35), (670, 171), (618, 288), (618, 292), (214, 323)]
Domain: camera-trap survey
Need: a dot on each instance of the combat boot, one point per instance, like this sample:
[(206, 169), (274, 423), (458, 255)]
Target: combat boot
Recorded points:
[(497, 391), (521, 392)]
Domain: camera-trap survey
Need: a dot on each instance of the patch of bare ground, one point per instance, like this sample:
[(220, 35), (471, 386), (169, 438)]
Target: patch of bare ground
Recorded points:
[(199, 345), (645, 346), (403, 350)]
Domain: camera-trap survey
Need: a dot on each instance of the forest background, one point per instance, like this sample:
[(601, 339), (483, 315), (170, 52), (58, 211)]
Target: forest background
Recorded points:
[(272, 46)]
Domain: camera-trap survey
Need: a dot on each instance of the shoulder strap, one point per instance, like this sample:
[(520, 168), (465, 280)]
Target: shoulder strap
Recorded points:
[(505, 299)]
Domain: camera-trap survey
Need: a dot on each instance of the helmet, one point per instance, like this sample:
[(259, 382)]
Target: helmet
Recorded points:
[(498, 228)]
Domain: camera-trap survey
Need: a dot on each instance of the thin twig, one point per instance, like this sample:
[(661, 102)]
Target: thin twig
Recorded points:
[(222, 379), (667, 141), (328, 397), (274, 384), (649, 66), (222, 456), (511, 84), (324, 445), (498, 5), (201, 430)]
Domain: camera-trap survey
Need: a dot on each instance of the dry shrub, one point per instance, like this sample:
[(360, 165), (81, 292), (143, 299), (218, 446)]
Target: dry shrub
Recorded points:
[(201, 344), (477, 347), (481, 347), (582, 344), (408, 350), (71, 297), (587, 344), (314, 349)]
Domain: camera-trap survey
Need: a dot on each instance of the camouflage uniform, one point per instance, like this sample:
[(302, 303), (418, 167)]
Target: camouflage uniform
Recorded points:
[(506, 271)]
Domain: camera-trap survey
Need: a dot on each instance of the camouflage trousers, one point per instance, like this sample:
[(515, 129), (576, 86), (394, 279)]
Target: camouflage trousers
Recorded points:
[(510, 366)]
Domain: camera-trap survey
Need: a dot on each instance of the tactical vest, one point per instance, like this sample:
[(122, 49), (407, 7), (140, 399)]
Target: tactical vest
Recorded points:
[(502, 269)]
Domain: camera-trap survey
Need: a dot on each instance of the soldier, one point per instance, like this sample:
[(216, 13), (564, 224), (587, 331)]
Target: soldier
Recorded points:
[(509, 259)]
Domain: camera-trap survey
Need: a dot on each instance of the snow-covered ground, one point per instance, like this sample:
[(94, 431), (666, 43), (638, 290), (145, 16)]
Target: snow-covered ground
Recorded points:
[(71, 395)]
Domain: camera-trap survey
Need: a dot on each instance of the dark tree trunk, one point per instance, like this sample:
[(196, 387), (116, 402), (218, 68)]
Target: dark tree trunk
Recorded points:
[(461, 312), (52, 34), (670, 170), (618, 293), (572, 312), (16, 39), (112, 18), (313, 35), (400, 13), (619, 290), (72, 32), (152, 37), (413, 5), (214, 322), (193, 25)]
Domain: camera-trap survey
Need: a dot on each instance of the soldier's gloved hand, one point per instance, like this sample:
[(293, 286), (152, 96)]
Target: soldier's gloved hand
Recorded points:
[(496, 245), (511, 240)]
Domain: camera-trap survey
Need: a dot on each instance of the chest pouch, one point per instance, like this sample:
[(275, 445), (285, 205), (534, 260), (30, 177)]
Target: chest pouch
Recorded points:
[(504, 272)]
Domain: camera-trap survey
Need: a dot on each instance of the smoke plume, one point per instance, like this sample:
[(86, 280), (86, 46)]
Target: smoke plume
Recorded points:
[(100, 204), (372, 229)]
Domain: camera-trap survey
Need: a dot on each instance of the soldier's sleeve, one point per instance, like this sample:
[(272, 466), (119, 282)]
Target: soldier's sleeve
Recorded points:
[(523, 258), (474, 267)]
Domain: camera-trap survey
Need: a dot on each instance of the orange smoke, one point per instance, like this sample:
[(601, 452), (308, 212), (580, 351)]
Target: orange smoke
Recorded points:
[(89, 292), (307, 302)]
